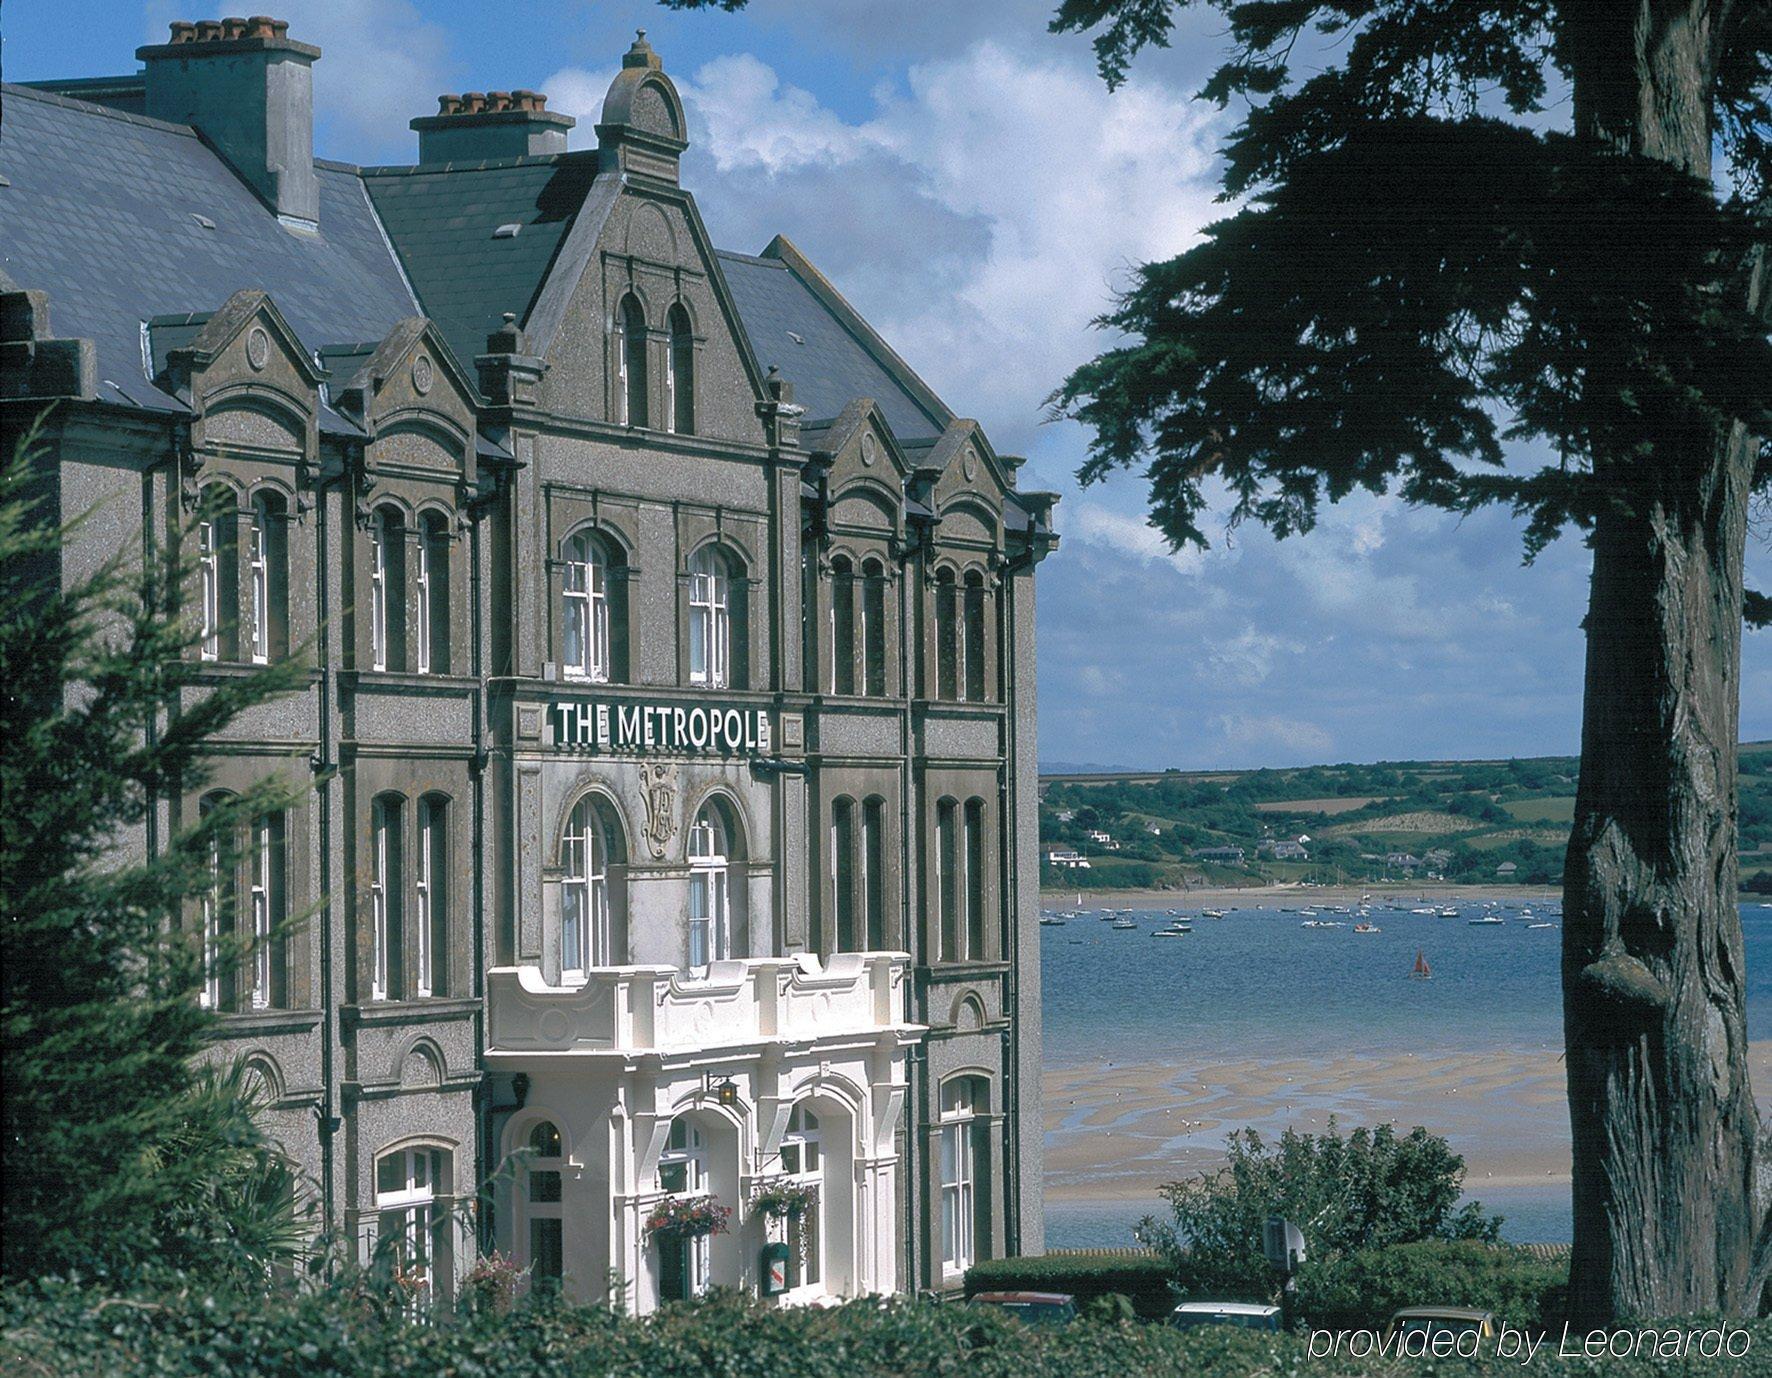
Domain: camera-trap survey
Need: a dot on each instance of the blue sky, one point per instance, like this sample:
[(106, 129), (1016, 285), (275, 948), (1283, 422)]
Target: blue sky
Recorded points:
[(967, 182)]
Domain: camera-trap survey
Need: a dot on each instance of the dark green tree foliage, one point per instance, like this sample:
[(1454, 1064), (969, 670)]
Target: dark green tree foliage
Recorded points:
[(1370, 1189), (118, 1153)]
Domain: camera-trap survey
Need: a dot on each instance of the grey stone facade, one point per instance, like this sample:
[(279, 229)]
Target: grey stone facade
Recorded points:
[(419, 408)]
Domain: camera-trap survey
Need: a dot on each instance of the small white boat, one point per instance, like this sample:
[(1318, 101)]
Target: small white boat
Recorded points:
[(1541, 925), (1172, 933), (1124, 923), (1486, 921), (1050, 921), (1212, 913), (1367, 928), (1448, 913), (1421, 911)]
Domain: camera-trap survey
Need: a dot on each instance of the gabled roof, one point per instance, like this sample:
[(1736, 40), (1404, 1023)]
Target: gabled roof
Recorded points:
[(102, 213), (450, 225), (797, 322)]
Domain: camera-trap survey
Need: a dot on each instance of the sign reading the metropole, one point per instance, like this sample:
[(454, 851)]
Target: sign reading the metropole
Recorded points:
[(677, 729)]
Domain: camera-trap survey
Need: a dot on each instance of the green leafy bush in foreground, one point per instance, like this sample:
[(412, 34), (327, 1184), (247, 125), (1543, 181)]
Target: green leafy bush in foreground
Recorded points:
[(59, 1329), (1143, 1280), (1365, 1287)]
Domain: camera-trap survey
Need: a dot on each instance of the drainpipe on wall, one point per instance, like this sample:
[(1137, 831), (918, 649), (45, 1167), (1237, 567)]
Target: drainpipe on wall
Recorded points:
[(910, 931), (323, 782)]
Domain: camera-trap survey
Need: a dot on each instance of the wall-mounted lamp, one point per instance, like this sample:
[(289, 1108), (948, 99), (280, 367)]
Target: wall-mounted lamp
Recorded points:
[(724, 1091)]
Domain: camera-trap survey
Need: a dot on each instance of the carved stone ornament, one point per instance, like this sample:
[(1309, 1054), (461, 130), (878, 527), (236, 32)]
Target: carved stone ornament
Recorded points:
[(870, 448), (969, 464), (258, 347), (658, 788), (422, 374)]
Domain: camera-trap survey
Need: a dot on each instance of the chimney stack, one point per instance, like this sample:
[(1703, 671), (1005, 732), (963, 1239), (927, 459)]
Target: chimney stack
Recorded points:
[(248, 88), (481, 127)]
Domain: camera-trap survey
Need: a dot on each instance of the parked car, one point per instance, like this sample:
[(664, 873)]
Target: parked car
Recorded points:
[(1037, 1308), (1247, 1314), (1442, 1320)]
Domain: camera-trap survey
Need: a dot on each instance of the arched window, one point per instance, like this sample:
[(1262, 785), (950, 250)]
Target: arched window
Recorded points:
[(842, 626), (387, 589), (630, 362), (218, 570), (387, 877), (974, 880), (408, 1222), (592, 592), (947, 881), (710, 896), (873, 628), (973, 617), (543, 1238), (584, 893), (683, 1171), (802, 1163), (433, 594), (269, 910), (716, 621), (843, 874), (873, 873), (947, 676), (961, 1102), (680, 374), (430, 924), (268, 559)]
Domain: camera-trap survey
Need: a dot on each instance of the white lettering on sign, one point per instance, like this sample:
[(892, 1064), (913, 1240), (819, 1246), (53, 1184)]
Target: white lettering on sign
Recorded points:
[(642, 727)]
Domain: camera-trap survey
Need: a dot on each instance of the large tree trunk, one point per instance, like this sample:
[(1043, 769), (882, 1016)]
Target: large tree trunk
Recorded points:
[(1670, 1189)]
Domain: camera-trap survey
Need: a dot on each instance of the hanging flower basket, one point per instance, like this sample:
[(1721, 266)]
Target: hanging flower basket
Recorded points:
[(787, 1200), (687, 1217)]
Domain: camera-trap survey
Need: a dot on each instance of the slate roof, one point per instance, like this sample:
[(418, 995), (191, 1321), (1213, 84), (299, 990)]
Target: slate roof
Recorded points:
[(829, 364), (442, 220), (101, 213), (123, 219)]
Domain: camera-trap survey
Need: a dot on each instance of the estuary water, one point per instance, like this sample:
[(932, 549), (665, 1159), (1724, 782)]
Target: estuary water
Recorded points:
[(1334, 1009)]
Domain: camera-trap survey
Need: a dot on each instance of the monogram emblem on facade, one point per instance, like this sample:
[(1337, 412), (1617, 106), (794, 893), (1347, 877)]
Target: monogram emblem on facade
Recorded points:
[(658, 787)]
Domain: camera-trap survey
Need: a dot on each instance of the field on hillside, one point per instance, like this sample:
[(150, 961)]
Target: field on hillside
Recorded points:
[(1473, 822)]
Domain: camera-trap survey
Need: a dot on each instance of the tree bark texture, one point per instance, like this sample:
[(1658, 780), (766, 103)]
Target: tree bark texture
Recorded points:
[(1670, 1167)]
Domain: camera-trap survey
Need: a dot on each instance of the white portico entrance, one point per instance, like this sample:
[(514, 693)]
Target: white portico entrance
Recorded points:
[(664, 1103)]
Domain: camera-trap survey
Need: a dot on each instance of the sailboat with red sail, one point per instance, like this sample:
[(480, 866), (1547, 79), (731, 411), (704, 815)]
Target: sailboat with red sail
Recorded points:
[(1420, 971)]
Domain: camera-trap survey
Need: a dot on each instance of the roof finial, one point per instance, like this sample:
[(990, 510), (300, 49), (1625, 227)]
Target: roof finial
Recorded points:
[(641, 54)]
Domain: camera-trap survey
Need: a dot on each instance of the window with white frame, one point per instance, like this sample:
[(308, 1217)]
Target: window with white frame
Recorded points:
[(406, 1218), (258, 560), (710, 908), (958, 1130), (584, 893), (972, 619), (873, 628), (710, 619), (972, 859), (542, 1238), (683, 1171), (432, 595), (268, 911), (802, 1163), (384, 897), (584, 588), (268, 569), (387, 589), (873, 872), (218, 574), (430, 897), (212, 907), (842, 626), (947, 609)]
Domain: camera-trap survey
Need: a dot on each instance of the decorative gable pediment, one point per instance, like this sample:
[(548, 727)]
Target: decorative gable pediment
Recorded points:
[(250, 382), (415, 403), (865, 472), (968, 484)]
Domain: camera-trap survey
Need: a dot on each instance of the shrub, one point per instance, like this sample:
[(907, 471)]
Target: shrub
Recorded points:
[(1365, 1287), (61, 1329), (1143, 1279), (1369, 1189)]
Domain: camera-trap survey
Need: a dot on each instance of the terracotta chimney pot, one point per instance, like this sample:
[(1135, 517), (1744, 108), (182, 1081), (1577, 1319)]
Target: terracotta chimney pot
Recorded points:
[(233, 27), (183, 31), (208, 30), (473, 102), (261, 26)]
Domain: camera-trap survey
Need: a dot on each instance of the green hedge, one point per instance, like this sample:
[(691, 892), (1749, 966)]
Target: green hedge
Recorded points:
[(61, 1330), (1365, 1287), (1142, 1279)]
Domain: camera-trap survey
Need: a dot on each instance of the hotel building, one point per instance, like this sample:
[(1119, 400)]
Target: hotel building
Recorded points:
[(666, 837)]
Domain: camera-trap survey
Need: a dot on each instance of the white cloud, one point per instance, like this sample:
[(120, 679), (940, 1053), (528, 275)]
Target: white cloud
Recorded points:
[(1248, 657), (1133, 537), (1262, 733)]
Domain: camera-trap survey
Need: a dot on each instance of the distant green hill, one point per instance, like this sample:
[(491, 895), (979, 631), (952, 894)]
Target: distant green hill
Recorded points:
[(1461, 821)]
